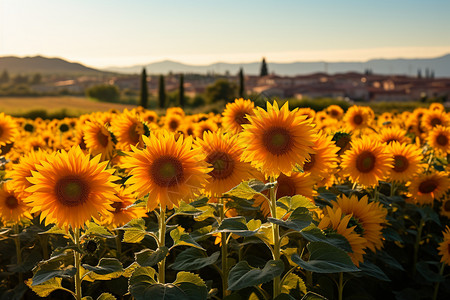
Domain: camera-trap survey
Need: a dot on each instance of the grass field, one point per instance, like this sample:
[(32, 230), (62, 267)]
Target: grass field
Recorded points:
[(73, 105)]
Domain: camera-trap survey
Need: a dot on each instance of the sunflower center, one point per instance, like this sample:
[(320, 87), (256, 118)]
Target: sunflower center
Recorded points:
[(365, 162), (286, 187), (102, 139), (277, 140), (222, 163), (427, 186), (72, 191), (358, 119), (240, 118), (391, 140), (442, 140), (334, 113), (11, 202), (167, 171), (447, 205), (401, 163), (173, 125), (28, 127), (435, 121), (359, 229), (132, 133), (118, 206), (310, 164)]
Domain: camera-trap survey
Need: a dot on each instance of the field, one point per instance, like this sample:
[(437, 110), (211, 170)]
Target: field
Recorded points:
[(250, 203)]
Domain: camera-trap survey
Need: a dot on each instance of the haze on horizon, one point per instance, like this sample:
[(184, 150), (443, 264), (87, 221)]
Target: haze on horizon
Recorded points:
[(114, 33)]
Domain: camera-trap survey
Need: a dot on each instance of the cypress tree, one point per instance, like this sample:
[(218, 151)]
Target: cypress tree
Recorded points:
[(181, 92), (4, 78), (144, 89), (241, 83), (162, 92), (264, 70)]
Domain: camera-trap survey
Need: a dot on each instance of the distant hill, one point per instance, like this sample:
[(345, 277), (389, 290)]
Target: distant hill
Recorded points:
[(440, 66), (43, 65)]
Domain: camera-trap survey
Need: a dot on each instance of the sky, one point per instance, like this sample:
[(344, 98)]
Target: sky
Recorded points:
[(102, 33)]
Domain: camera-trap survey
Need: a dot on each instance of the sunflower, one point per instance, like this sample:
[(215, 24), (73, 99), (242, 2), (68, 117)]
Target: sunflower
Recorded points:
[(407, 161), (357, 117), (324, 159), (444, 247), (150, 116), (342, 138), (128, 129), (205, 126), (335, 111), (335, 220), (234, 115), (306, 111), (223, 153), (366, 162), (439, 139), (175, 111), (8, 129), (445, 208), (391, 134), (436, 106), (122, 213), (12, 206), (167, 170), (368, 217), (277, 140), (432, 118), (425, 188), (98, 140), (173, 122), (71, 188)]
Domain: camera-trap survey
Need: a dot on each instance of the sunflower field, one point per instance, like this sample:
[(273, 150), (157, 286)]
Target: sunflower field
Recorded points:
[(254, 203)]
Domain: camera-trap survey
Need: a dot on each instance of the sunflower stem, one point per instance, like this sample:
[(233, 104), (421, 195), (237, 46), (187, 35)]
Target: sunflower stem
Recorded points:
[(430, 160), (436, 285), (162, 242), (77, 257), (392, 188), (43, 239), (118, 244), (416, 245), (224, 250), (18, 252), (276, 237), (341, 286)]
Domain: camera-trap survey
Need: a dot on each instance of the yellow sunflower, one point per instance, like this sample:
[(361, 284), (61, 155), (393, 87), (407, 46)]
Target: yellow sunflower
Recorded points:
[(234, 115), (12, 206), (445, 208), (98, 140), (308, 112), (391, 134), (366, 162), (168, 170), (324, 157), (357, 117), (425, 188), (335, 220), (432, 118), (277, 140), (8, 129), (173, 122), (71, 188), (223, 152), (439, 139), (407, 161), (128, 129), (368, 217), (150, 116), (444, 247), (205, 126), (335, 111)]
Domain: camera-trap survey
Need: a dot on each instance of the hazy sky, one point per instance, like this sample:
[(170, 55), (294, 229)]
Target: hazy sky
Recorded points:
[(103, 33)]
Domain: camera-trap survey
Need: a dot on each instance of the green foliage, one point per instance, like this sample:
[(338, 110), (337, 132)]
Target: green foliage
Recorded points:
[(242, 275), (222, 89), (104, 92), (162, 93), (181, 96), (143, 100), (264, 71)]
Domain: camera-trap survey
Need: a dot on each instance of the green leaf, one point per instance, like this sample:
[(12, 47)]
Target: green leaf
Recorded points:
[(292, 282), (106, 269), (94, 229), (291, 203), (313, 296), (423, 268), (193, 287), (180, 238), (242, 275), (299, 219), (236, 225), (106, 296), (149, 258), (207, 212), (370, 269), (428, 214), (48, 270), (87, 298), (187, 209), (143, 274), (134, 231), (284, 296), (248, 189), (44, 289), (193, 259), (325, 258), (55, 230), (391, 234), (314, 234)]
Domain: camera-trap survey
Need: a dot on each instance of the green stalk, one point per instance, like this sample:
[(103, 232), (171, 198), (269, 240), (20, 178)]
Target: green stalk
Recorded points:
[(162, 242), (416, 245), (392, 188), (118, 244), (436, 285), (341, 286), (77, 256), (18, 252), (224, 250), (276, 238)]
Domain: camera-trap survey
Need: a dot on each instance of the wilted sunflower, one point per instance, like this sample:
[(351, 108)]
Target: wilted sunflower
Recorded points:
[(336, 221), (425, 188), (234, 115), (407, 161), (444, 247), (366, 162), (98, 140), (8, 129), (393, 134), (12, 206), (223, 153), (277, 140), (357, 117), (71, 188), (439, 139), (324, 157), (369, 218), (167, 170), (128, 129)]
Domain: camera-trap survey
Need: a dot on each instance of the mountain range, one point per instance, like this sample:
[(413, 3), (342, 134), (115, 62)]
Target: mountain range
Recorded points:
[(440, 66)]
